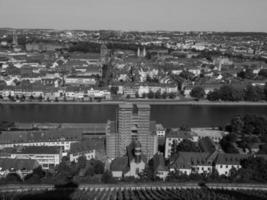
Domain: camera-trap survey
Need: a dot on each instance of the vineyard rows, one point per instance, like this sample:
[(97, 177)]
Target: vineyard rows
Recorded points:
[(138, 194)]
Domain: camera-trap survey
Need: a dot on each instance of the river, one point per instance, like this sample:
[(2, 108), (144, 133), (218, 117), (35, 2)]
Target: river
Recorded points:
[(168, 115)]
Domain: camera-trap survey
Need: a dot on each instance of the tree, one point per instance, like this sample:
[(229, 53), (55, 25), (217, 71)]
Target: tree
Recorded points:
[(188, 145), (229, 93), (114, 90), (107, 177), (164, 95), (213, 95), (187, 75), (151, 95), (227, 143), (35, 176), (246, 74), (81, 162), (13, 178), (254, 93), (40, 97), (263, 73), (253, 169), (197, 92), (99, 167), (237, 125), (172, 95), (31, 97), (158, 94)]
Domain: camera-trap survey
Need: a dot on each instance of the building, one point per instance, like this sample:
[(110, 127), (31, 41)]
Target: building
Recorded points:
[(81, 149), (133, 123), (47, 157), (175, 136), (159, 166), (192, 162), (213, 133), (160, 130), (226, 162), (130, 165), (62, 137), (22, 167)]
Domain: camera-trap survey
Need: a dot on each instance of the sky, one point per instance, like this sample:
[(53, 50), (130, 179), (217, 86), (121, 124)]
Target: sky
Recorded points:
[(139, 15)]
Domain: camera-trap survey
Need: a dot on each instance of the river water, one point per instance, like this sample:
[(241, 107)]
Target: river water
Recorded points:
[(168, 115)]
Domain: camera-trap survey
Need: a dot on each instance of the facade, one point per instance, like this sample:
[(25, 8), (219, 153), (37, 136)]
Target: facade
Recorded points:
[(81, 149), (47, 157), (133, 122), (226, 162), (192, 162)]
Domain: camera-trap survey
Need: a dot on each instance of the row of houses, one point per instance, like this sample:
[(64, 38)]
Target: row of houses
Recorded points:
[(51, 93), (142, 88), (206, 163)]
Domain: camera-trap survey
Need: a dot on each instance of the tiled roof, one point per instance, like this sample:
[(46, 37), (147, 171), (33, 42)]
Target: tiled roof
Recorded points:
[(185, 160), (37, 150), (120, 164), (229, 159), (9, 137), (79, 147), (18, 164)]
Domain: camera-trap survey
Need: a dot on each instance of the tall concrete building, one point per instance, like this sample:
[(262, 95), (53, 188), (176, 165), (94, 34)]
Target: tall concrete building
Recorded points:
[(132, 123)]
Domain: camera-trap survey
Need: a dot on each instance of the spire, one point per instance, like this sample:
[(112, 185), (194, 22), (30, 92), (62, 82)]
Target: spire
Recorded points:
[(144, 52), (138, 52)]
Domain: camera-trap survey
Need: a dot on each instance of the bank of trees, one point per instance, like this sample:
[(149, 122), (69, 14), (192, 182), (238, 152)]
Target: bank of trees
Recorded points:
[(246, 131), (230, 93), (197, 92)]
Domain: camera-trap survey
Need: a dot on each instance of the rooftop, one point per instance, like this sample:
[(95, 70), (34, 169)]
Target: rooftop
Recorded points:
[(18, 164), (37, 150)]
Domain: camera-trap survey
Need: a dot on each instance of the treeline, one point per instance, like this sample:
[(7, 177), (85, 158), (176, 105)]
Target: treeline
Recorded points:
[(245, 132), (230, 93)]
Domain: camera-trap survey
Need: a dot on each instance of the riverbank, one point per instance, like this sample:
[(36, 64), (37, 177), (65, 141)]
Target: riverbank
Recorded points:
[(151, 102)]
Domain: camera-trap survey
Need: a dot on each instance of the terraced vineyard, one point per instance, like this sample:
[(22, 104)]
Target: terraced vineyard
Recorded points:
[(137, 194)]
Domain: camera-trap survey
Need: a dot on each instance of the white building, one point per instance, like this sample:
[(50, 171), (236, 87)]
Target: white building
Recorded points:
[(47, 157), (160, 130), (175, 136), (62, 137), (212, 133), (226, 162)]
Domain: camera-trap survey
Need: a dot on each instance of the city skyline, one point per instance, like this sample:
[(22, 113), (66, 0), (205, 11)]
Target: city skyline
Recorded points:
[(128, 15)]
